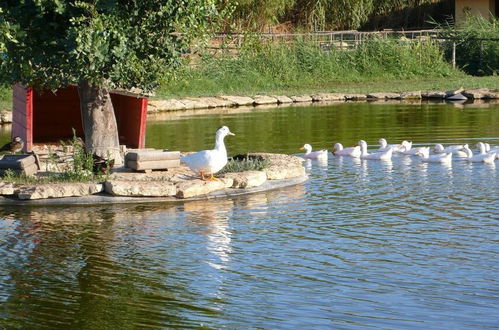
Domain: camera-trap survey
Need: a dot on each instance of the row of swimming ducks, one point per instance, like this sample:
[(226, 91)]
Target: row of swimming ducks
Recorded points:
[(441, 154)]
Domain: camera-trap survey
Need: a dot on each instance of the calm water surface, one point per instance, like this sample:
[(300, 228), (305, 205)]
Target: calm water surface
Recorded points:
[(392, 245)]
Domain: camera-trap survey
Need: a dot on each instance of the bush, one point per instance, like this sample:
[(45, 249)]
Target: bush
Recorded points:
[(476, 50)]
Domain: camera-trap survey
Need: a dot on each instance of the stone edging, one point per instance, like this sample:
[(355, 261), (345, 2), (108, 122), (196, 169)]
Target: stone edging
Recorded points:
[(236, 101), (107, 199), (174, 184)]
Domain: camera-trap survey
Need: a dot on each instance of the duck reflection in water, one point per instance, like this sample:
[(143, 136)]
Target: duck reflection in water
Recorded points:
[(214, 217)]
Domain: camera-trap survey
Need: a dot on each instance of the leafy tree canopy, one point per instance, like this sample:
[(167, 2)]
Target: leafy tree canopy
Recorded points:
[(110, 43)]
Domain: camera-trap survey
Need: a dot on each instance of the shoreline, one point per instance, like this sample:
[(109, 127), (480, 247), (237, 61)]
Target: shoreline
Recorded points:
[(458, 96)]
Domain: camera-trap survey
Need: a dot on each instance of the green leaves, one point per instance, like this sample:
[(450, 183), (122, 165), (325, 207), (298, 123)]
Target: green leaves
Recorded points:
[(127, 43)]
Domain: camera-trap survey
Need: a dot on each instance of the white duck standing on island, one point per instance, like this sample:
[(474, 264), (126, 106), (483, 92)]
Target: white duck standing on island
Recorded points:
[(309, 154), (338, 150), (382, 155), (209, 161)]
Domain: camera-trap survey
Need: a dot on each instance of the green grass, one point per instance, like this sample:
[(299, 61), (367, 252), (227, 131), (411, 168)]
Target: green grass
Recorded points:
[(245, 164), (376, 66)]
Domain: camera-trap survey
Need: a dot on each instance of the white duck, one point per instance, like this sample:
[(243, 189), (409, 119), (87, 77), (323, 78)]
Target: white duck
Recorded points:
[(309, 154), (338, 150), (412, 151), (485, 148), (457, 150), (424, 153), (383, 145), (382, 155), (209, 161), (488, 157)]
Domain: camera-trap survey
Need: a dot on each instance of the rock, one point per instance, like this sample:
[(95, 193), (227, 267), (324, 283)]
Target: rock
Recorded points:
[(383, 96), (454, 92), (283, 99), (57, 190), (264, 99), (6, 188), (478, 93), (282, 166), (140, 188), (322, 97), (410, 95), (165, 105), (433, 95), (355, 96), (247, 179), (492, 94), (192, 103), (6, 117), (193, 188), (301, 98), (238, 100)]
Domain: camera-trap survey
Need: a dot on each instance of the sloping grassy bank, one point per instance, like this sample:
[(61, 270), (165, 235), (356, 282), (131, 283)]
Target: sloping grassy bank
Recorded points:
[(301, 67)]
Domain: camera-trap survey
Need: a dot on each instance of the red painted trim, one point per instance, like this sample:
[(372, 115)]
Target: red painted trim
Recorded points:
[(28, 146), (143, 121)]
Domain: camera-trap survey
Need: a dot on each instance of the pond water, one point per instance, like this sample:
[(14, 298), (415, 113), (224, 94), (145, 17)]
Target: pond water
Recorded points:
[(396, 244)]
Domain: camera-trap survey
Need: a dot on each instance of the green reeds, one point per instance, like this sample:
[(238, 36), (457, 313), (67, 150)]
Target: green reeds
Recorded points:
[(260, 66)]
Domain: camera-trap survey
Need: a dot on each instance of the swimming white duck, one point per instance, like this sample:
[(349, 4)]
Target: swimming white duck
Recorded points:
[(488, 157), (485, 148), (424, 153), (309, 154), (338, 150), (383, 145), (382, 155), (209, 161), (457, 150), (413, 151)]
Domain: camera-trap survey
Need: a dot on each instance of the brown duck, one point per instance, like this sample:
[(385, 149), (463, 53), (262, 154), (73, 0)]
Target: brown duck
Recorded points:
[(15, 145)]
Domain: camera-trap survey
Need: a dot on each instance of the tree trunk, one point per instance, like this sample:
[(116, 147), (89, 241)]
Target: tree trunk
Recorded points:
[(99, 122)]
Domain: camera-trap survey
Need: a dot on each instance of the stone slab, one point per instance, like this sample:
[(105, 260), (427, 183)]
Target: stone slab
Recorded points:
[(58, 190), (6, 188), (323, 97), (264, 99), (283, 99), (152, 164), (301, 98), (410, 95), (247, 179), (148, 155), (383, 96), (140, 188), (192, 188), (355, 96), (238, 100)]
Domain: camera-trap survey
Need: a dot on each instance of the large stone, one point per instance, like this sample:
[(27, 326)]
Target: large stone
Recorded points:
[(140, 188), (433, 95), (238, 100), (283, 99), (383, 96), (193, 188), (282, 166), (165, 105), (247, 179), (478, 93), (193, 103), (323, 97), (454, 92), (6, 117), (301, 98), (410, 95), (6, 188), (264, 99), (58, 190), (355, 96), (492, 94)]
